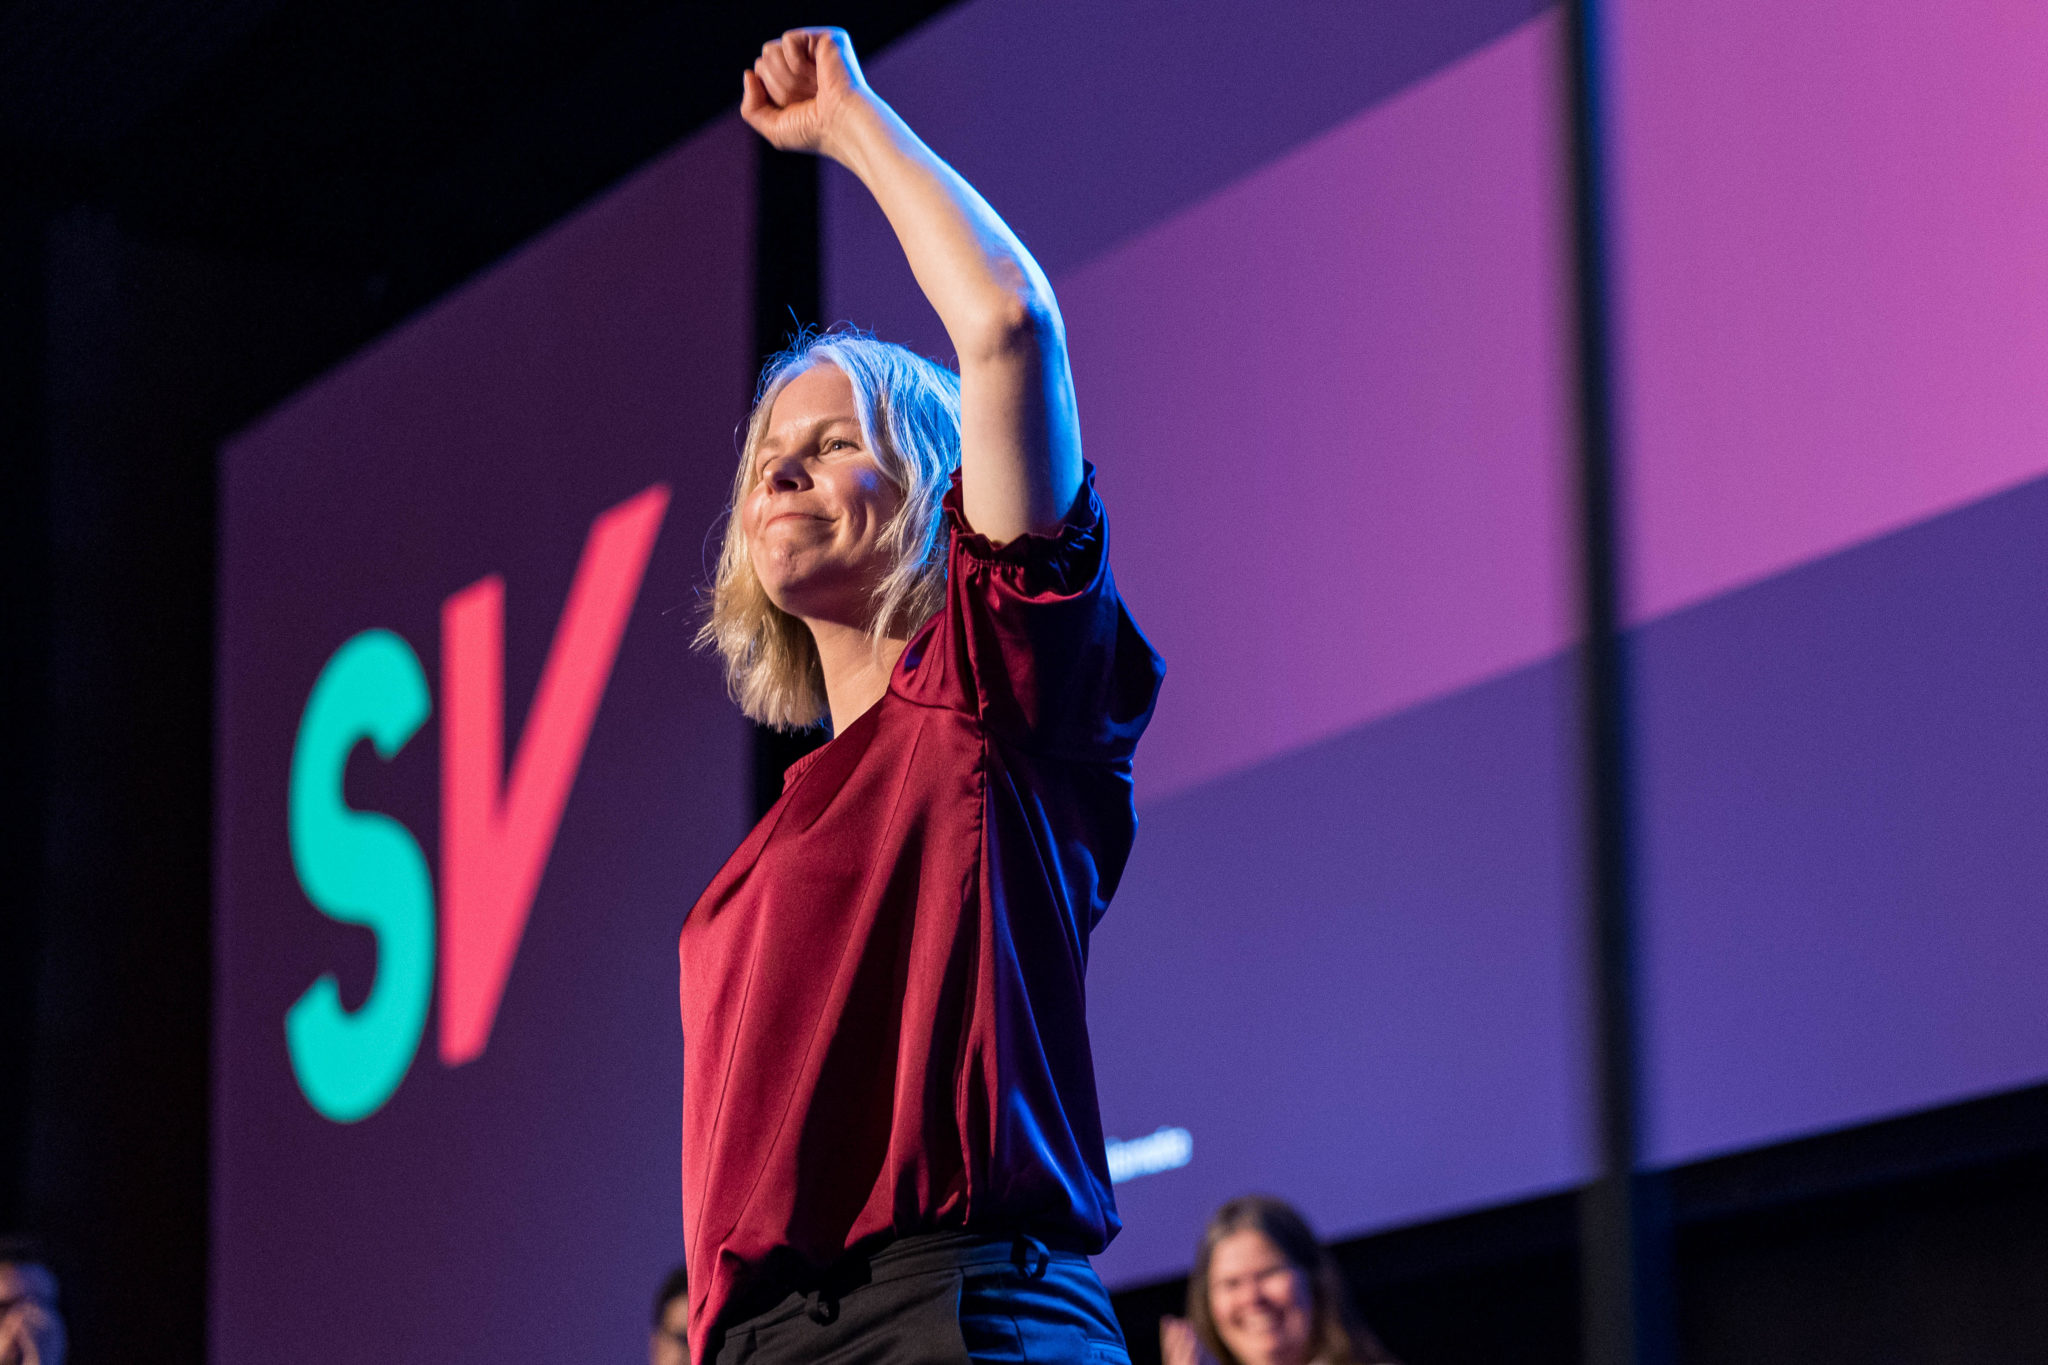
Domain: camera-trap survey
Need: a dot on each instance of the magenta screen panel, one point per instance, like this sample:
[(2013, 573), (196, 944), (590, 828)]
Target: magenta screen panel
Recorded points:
[(470, 777), (1310, 259)]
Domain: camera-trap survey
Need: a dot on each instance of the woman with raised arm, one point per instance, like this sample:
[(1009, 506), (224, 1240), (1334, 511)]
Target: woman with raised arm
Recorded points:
[(891, 1146)]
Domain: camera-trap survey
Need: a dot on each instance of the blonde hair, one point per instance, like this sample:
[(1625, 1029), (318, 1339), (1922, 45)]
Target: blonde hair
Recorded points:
[(909, 410)]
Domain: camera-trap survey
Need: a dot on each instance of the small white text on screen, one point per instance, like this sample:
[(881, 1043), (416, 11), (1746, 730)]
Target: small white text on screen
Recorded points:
[(1165, 1150)]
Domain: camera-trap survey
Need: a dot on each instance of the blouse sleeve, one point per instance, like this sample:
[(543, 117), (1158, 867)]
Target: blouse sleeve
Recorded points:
[(1034, 640)]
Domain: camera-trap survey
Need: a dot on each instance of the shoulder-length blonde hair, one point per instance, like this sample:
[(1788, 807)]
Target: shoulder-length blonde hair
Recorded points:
[(1340, 1335), (909, 410)]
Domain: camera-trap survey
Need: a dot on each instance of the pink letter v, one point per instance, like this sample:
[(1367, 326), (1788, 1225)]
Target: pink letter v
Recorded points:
[(494, 845)]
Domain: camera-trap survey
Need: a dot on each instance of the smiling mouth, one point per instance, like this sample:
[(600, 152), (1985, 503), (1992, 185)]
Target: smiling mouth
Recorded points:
[(1260, 1322)]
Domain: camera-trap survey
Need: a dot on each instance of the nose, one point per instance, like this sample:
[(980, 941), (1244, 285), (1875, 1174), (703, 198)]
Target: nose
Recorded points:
[(784, 473)]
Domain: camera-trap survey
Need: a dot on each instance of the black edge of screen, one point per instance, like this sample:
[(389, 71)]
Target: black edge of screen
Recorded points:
[(787, 298)]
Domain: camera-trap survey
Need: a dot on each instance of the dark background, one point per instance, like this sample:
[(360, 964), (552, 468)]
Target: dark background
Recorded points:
[(203, 209)]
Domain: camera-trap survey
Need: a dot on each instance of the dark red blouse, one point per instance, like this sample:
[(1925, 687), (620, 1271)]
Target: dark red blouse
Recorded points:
[(882, 1001)]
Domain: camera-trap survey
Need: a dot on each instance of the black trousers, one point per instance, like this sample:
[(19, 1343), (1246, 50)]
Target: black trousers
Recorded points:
[(938, 1299)]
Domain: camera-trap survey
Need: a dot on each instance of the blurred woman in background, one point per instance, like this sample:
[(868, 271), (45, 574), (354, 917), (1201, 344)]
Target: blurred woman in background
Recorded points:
[(1263, 1291)]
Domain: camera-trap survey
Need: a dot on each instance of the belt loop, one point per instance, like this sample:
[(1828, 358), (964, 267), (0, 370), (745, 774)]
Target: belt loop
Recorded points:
[(822, 1305), (1030, 1257)]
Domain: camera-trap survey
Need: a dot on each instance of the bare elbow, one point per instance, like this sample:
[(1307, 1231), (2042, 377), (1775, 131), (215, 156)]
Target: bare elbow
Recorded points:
[(1016, 324)]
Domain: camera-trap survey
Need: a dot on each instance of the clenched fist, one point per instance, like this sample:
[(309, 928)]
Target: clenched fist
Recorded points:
[(803, 89)]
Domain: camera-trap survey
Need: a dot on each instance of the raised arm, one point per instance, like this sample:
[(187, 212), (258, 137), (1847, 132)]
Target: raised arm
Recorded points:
[(1020, 445)]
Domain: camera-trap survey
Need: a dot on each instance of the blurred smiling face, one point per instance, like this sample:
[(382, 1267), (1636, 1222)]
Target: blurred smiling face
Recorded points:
[(817, 503), (1260, 1301)]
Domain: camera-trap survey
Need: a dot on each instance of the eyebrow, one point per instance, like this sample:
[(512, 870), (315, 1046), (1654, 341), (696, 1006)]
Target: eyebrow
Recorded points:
[(822, 424)]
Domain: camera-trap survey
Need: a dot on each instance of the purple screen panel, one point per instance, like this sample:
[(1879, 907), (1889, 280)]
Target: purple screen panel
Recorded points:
[(523, 1203)]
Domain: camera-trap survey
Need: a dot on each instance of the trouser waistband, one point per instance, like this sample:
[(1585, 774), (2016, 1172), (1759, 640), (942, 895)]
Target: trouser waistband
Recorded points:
[(915, 1254), (925, 1251)]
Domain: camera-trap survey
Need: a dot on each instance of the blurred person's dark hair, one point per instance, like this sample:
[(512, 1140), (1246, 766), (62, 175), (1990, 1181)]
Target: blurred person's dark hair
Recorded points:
[(675, 1286), (668, 1341), (1341, 1336), (19, 1248)]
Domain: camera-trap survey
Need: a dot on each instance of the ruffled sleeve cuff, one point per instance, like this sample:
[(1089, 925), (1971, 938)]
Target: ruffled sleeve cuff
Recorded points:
[(1060, 563), (1034, 640)]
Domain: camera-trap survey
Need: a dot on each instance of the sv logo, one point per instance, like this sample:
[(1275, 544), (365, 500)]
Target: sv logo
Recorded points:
[(364, 868)]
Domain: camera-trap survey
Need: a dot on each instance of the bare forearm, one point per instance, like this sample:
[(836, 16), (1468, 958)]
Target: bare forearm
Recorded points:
[(1020, 447), (986, 289)]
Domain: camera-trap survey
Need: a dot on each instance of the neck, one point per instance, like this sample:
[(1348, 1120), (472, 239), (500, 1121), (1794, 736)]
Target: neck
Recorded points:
[(856, 672)]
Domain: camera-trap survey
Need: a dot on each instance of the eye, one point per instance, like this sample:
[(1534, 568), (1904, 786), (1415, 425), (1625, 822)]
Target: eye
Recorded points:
[(833, 443)]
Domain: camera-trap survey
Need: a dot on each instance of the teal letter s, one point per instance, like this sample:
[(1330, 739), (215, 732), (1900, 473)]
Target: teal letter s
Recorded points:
[(360, 868)]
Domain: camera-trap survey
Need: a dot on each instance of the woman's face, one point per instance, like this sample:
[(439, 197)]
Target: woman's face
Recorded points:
[(1260, 1300), (817, 503)]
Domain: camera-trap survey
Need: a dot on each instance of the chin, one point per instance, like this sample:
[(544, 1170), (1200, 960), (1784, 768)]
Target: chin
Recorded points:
[(831, 595), (790, 588), (1263, 1349)]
